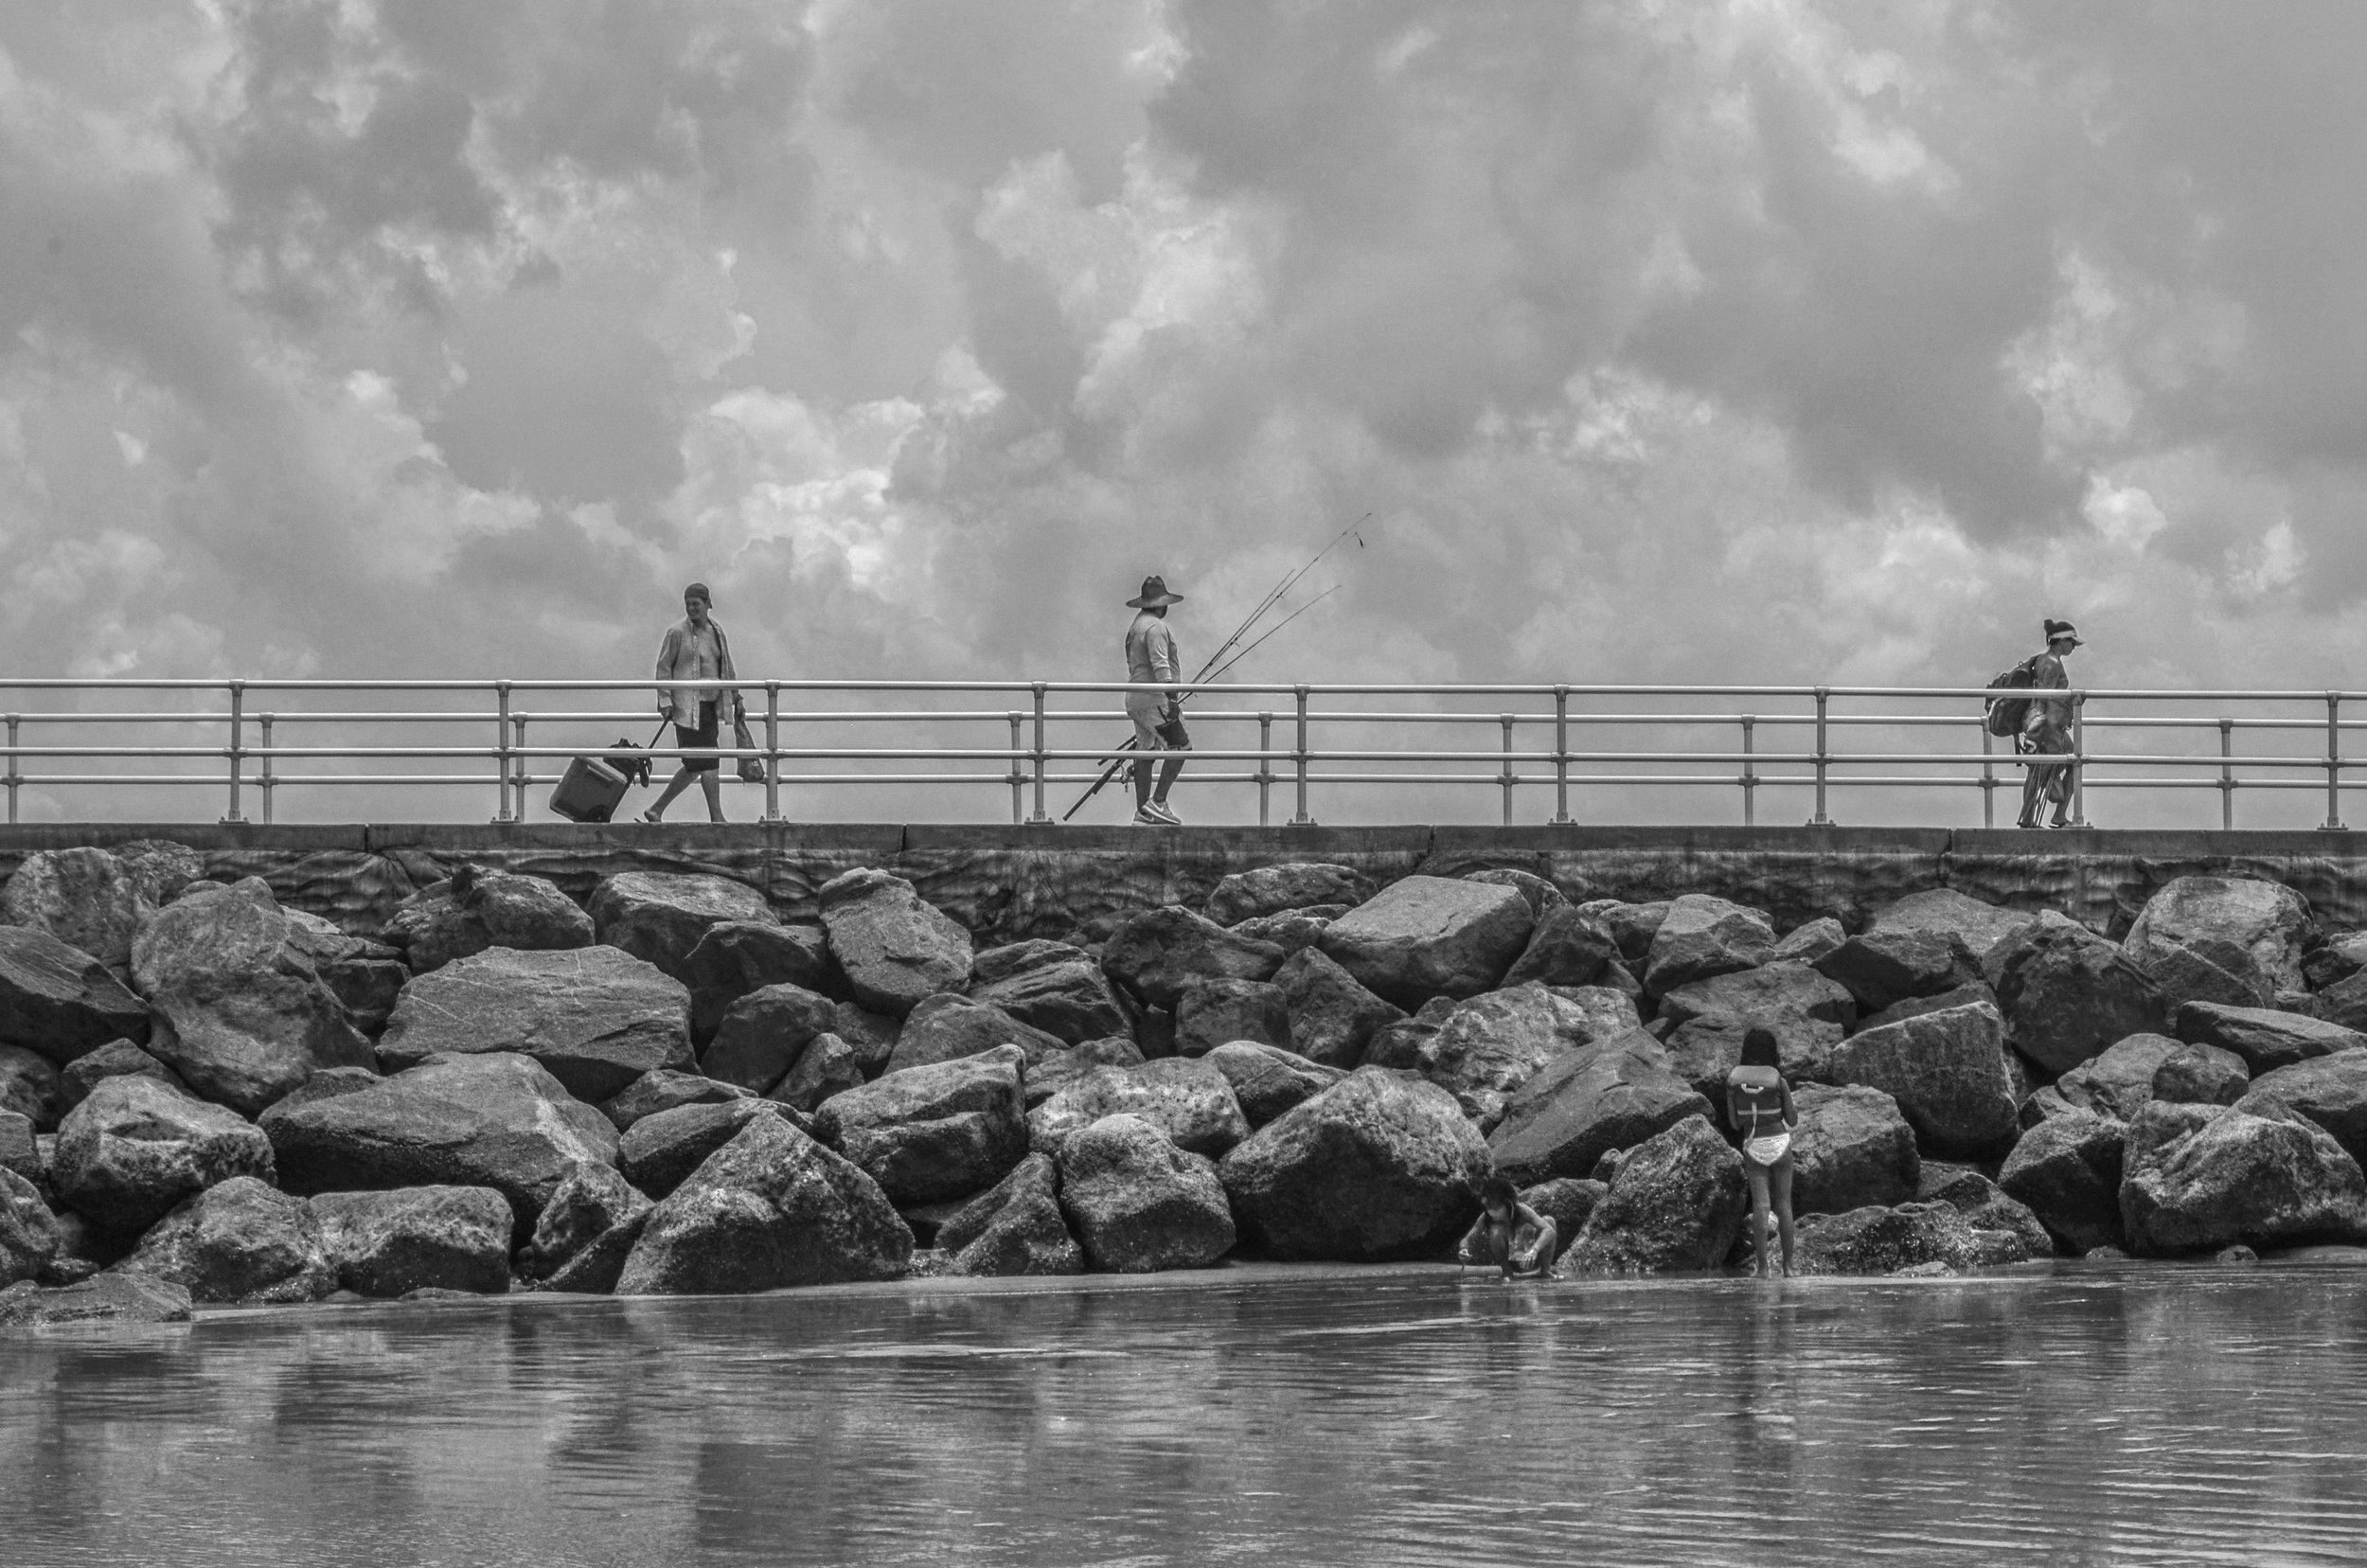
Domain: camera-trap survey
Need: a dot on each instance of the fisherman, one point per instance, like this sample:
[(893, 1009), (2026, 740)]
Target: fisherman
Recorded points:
[(1151, 659), (2046, 730), (696, 654)]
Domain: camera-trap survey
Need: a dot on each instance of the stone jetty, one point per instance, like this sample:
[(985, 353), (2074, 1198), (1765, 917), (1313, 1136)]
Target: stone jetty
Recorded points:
[(667, 1081)]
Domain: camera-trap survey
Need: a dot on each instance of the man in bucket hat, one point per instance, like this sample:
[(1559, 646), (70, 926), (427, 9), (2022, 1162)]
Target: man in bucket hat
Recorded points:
[(2046, 730), (1151, 658)]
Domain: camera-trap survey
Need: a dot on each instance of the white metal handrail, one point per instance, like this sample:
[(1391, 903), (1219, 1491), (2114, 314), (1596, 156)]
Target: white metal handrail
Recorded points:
[(1059, 724)]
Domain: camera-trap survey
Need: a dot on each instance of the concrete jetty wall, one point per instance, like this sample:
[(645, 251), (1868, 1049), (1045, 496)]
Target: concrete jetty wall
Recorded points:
[(1008, 883)]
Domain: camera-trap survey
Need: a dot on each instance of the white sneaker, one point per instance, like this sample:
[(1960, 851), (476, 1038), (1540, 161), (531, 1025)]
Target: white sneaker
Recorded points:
[(1166, 813), (1146, 818)]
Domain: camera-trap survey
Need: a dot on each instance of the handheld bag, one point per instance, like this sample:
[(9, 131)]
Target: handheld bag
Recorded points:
[(2006, 714), (594, 786), (751, 768)]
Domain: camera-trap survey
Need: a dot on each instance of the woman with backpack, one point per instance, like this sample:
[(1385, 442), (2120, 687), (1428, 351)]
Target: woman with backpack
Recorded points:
[(2046, 730)]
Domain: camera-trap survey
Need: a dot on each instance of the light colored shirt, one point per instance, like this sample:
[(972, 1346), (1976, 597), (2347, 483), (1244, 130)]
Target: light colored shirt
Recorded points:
[(1150, 653), (2048, 717), (693, 654)]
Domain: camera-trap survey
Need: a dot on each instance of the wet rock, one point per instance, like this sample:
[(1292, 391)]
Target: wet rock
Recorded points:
[(496, 1120), (1160, 953), (1188, 1100), (1014, 1228), (105, 1299), (1276, 889), (659, 916), (826, 1066), (1566, 947), (1057, 1072), (2068, 1171), (1806, 944), (82, 897), (1852, 1149), (61, 1001), (871, 1036), (2118, 1081), (1294, 931), (2330, 1091), (1211, 1012), (596, 1018), (1332, 1016), (136, 1148), (1614, 1093), (760, 1035), (1137, 1203), (1989, 1211), (1883, 968), (388, 1243), (2198, 1177), (585, 1233), (1703, 936), (30, 1087), (771, 1208), (1567, 1200), (894, 948), (948, 1027), (159, 868), (733, 958), (664, 1089), (1946, 1071), (1678, 1202), (1877, 1240), (927, 1133), (29, 1232), (658, 1153), (2264, 1037), (1489, 1046), (1051, 986), (2203, 1074), (1267, 1080), (241, 1241), (1425, 936), (2067, 993), (2229, 939)]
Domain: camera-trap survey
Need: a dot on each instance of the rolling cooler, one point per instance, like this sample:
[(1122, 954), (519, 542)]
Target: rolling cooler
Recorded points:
[(594, 787)]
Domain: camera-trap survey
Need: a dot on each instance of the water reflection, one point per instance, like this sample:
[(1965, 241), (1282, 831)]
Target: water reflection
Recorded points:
[(1401, 1417)]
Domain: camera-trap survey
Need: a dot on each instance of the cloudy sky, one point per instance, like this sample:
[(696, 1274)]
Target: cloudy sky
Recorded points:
[(1768, 340)]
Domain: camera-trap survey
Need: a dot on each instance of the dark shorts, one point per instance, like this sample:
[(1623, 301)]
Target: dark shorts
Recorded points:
[(704, 736)]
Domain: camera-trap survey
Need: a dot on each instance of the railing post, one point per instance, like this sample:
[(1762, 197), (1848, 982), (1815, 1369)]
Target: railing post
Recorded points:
[(238, 749), (263, 779), (1265, 766), (1299, 755), (1989, 776), (2227, 773), (2079, 758), (1041, 818), (522, 768), (1820, 820), (1509, 778), (1019, 778), (1749, 778), (1561, 753), (15, 778), (2334, 764), (503, 787), (771, 751)]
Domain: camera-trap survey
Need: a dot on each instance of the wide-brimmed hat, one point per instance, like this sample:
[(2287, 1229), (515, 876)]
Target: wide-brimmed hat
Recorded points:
[(2060, 630), (1154, 595)]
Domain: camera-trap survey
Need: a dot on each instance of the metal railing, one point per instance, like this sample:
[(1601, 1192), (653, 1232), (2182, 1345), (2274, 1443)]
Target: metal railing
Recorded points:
[(252, 739)]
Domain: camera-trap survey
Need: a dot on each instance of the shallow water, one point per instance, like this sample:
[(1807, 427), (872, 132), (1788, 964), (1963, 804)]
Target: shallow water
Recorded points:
[(2145, 1417)]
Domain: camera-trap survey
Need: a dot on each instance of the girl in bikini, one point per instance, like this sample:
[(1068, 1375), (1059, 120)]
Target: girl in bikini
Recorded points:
[(1510, 1235), (1758, 1102)]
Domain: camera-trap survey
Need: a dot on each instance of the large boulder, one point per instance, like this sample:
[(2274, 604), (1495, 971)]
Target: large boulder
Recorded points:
[(929, 1133), (160, 868), (243, 1240), (947, 1027), (1211, 1012), (21, 1147), (2207, 1074), (1567, 1200), (2266, 1038), (475, 909), (1614, 1093), (596, 1018), (1703, 936), (82, 897), (1566, 947), (826, 1066), (1159, 953), (660, 916), (1677, 1202), (734, 958), (1852, 1149), (1405, 1043), (871, 1036), (658, 1153), (1377, 1165), (1703, 1050), (1188, 1098), (1052, 986), (1631, 925), (663, 1089), (1267, 1080), (136, 1148), (1806, 944), (1946, 1071), (585, 1233), (1332, 1014), (2116, 1082), (1057, 1072), (1015, 1227), (2066, 993), (1426, 937), (1880, 1240), (2232, 939), (1883, 968), (1490, 1045), (59, 1000), (2330, 1091), (30, 1087), (496, 1120), (1790, 988), (1542, 896), (760, 1035), (2066, 1170), (105, 1299), (29, 1232), (1275, 889), (1294, 929), (1943, 910), (2202, 1177), (1595, 1012), (893, 947), (2005, 1229), (410, 1239), (769, 1209), (240, 1012), (1138, 1203)]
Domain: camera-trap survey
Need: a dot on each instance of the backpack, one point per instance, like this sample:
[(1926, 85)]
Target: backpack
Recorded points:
[(2006, 714)]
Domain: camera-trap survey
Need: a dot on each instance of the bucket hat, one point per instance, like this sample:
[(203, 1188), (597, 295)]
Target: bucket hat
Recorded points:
[(1154, 595), (2058, 631)]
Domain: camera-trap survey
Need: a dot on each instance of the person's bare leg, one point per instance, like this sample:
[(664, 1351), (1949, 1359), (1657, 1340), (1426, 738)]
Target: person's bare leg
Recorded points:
[(1757, 1174), (713, 784), (1142, 784), (1779, 1183), (674, 786), (1166, 776), (2060, 787)]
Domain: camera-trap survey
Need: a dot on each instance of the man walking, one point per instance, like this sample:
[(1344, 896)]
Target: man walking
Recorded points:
[(696, 654), (2046, 730), (1151, 659)]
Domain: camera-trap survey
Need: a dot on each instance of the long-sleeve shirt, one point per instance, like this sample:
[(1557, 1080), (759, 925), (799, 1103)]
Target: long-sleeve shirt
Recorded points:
[(694, 655), (2048, 718)]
